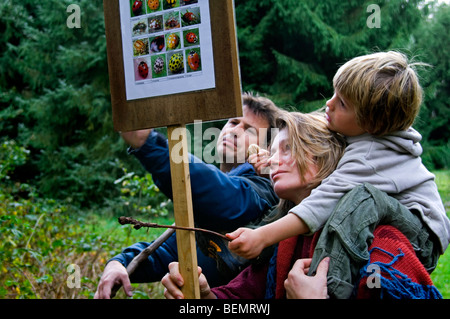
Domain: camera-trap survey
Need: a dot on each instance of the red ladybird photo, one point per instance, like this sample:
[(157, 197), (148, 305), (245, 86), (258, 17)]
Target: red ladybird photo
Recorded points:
[(137, 8), (142, 69), (172, 20), (191, 37), (190, 16), (193, 60)]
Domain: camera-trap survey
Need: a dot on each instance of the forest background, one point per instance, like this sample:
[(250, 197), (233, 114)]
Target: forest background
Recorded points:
[(65, 175)]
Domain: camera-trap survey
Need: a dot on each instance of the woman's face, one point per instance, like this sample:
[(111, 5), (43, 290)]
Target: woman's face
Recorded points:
[(284, 171)]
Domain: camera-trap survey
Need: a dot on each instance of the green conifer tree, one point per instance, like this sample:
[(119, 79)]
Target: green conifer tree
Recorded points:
[(55, 98), (291, 49)]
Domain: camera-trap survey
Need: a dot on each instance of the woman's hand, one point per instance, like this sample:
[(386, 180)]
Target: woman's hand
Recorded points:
[(173, 281), (301, 286)]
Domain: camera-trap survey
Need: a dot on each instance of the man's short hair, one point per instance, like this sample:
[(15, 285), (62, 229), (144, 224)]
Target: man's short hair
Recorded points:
[(263, 107)]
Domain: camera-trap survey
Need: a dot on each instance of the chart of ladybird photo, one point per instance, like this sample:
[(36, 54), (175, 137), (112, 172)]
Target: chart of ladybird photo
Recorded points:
[(166, 38)]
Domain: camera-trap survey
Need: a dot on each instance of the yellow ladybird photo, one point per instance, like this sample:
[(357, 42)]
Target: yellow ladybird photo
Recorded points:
[(188, 2), (176, 63), (170, 4), (173, 41)]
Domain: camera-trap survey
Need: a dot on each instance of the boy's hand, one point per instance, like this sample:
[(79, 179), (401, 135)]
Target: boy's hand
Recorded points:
[(246, 242)]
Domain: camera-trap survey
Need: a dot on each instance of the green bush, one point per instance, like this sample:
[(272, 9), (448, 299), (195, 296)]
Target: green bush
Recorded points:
[(41, 237), (140, 197), (436, 157), (11, 156)]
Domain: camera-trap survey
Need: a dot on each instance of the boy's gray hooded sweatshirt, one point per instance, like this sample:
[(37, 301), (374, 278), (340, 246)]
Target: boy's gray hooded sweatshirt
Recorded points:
[(392, 164)]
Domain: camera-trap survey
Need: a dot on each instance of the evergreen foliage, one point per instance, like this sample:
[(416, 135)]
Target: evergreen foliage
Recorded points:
[(55, 99), (290, 50), (433, 44), (54, 86), (302, 43)]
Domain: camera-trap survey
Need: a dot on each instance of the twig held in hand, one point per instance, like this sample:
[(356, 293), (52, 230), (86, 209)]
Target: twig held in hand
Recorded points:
[(143, 255), (138, 224)]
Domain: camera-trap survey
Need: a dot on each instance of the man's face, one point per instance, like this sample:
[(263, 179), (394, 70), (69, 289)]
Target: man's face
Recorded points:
[(238, 134)]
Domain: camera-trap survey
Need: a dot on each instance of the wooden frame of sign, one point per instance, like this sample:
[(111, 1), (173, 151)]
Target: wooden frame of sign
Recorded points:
[(222, 102), (175, 111)]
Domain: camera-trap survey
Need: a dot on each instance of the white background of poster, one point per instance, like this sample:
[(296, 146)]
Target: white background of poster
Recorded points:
[(179, 83)]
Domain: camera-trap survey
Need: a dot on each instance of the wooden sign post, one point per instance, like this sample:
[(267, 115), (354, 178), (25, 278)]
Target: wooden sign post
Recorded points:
[(171, 63), (183, 213)]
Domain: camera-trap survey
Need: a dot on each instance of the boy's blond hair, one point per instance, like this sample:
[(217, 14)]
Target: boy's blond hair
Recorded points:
[(384, 90)]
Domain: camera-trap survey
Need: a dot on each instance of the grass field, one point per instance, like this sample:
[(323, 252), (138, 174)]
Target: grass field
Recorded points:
[(441, 275), (39, 240)]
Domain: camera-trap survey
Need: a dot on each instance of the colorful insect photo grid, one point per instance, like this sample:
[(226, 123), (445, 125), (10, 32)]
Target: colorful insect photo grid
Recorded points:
[(165, 38)]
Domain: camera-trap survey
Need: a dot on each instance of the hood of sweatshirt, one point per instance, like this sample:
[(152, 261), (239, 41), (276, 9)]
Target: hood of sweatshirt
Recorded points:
[(407, 142), (404, 142)]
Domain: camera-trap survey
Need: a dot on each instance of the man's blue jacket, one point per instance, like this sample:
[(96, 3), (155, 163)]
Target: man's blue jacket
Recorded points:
[(221, 202)]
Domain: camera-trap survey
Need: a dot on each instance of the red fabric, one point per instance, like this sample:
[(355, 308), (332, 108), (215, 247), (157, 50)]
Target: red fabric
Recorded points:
[(286, 250), (251, 283), (390, 239), (289, 250)]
